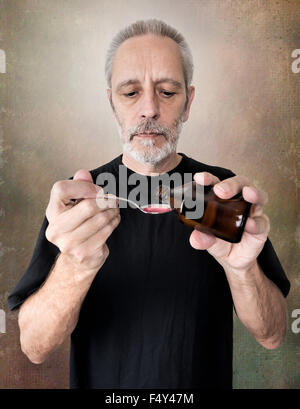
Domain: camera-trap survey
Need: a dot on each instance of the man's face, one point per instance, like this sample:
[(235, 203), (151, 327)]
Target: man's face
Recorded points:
[(148, 97)]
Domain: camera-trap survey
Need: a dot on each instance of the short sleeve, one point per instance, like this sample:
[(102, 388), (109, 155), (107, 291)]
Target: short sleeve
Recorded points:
[(272, 268), (42, 260)]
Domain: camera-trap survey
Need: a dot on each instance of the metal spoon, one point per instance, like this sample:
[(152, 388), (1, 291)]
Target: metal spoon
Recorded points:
[(141, 208)]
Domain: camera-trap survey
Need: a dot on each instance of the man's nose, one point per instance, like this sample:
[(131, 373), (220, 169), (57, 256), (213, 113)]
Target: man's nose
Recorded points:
[(149, 106)]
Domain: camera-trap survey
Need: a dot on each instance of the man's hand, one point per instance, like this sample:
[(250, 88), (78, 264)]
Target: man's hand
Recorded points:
[(80, 230), (239, 257)]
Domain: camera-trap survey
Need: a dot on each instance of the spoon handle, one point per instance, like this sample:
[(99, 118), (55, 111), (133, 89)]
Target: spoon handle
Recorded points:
[(109, 196)]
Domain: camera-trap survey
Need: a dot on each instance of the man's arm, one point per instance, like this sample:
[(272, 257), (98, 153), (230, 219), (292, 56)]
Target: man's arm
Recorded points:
[(260, 305), (80, 232), (50, 315)]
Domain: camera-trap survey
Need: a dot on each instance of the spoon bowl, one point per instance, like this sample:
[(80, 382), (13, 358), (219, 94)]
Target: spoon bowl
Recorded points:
[(156, 208)]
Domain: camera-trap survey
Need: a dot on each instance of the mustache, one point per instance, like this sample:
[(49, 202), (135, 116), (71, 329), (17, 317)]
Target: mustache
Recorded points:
[(150, 126)]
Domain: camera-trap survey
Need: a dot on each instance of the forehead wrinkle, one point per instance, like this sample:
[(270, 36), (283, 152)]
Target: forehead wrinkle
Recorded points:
[(135, 81)]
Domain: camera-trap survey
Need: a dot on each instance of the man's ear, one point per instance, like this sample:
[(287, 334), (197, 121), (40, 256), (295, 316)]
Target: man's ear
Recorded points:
[(109, 96), (189, 103)]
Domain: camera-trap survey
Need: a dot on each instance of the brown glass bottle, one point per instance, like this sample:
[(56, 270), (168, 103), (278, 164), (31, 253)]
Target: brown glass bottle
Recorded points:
[(223, 218)]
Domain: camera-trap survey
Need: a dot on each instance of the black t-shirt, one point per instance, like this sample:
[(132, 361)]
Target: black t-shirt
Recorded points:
[(159, 314)]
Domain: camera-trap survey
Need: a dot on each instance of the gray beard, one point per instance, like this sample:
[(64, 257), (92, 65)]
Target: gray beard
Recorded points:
[(152, 154)]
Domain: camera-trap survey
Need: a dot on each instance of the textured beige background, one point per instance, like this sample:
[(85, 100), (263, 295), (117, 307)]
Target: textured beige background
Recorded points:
[(55, 119)]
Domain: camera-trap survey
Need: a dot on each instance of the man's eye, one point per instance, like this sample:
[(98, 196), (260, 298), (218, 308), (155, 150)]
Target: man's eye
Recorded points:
[(168, 94), (130, 94)]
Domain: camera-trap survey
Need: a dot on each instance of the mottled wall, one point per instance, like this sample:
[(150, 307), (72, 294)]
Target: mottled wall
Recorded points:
[(55, 119)]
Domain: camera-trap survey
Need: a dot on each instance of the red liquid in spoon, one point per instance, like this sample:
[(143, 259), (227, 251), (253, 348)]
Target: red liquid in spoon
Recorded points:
[(156, 209)]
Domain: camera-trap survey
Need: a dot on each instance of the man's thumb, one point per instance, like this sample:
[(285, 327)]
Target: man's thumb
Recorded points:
[(83, 174)]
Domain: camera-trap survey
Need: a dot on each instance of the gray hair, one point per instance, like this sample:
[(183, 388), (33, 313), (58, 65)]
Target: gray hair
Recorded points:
[(158, 28)]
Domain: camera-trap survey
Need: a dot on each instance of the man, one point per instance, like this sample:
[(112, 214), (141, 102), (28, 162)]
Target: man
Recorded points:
[(147, 300)]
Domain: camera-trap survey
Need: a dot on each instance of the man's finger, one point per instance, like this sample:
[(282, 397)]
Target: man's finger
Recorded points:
[(231, 186), (206, 178), (87, 229), (63, 191), (201, 241), (256, 210), (83, 174), (216, 247), (78, 214), (256, 196), (99, 238), (258, 225)]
